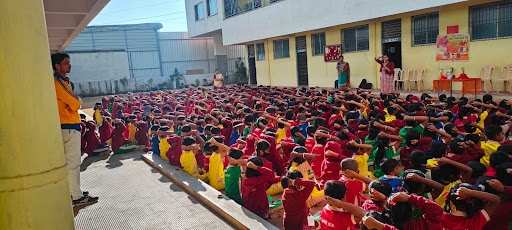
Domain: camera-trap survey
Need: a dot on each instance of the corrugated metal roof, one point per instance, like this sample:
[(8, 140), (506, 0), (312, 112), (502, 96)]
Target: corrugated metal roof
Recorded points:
[(236, 51), (173, 35)]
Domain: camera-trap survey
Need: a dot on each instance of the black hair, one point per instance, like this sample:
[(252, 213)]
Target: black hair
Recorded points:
[(186, 128), (448, 128), (418, 160), (413, 186), (486, 98), (388, 165), (188, 141), (410, 136), (381, 217), (483, 185), (289, 115), (468, 127), (503, 175), (437, 149), (294, 130), (479, 169), (340, 122), (475, 138), (335, 189), (292, 174), (400, 213), (235, 153), (321, 140), (342, 135), (155, 127), (471, 208), (262, 145), (310, 130), (353, 148), (493, 131), (319, 122), (382, 144), (253, 172), (381, 186), (455, 147), (58, 58), (249, 118), (498, 158)]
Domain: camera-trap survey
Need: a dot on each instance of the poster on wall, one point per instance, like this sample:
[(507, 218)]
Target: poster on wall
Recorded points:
[(332, 53), (452, 47)]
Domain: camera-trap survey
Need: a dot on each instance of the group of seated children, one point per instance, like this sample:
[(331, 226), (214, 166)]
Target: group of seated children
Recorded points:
[(372, 161)]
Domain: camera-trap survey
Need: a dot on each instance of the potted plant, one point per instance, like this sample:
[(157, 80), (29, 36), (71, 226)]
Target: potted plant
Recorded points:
[(241, 77)]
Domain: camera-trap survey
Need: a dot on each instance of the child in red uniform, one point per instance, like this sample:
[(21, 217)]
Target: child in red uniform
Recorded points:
[(400, 212), (142, 135), (467, 214), (318, 151), (331, 166), (254, 186), (501, 221), (338, 214), (354, 182), (379, 193), (296, 192)]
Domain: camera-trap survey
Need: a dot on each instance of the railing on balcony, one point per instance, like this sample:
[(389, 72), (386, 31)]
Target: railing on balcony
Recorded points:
[(236, 7)]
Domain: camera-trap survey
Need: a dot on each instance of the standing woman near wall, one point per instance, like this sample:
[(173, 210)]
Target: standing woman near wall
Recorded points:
[(386, 74), (343, 74)]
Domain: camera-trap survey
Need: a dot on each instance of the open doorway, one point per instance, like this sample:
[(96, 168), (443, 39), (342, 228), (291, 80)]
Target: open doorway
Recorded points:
[(392, 43), (302, 61), (252, 65)]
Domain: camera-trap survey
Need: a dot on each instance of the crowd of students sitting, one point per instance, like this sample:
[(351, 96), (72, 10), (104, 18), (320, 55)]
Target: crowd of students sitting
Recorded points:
[(375, 161)]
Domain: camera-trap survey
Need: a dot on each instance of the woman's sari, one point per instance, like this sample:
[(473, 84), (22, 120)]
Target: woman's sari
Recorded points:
[(344, 75)]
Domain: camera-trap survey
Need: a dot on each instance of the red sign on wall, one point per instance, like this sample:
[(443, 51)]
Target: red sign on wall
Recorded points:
[(332, 53), (452, 29)]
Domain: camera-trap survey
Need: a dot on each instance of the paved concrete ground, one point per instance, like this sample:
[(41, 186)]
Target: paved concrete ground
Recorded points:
[(135, 196)]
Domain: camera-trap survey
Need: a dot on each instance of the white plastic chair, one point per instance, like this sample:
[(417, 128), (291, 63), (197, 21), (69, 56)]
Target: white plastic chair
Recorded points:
[(485, 74), (506, 76), (404, 76), (396, 78), (418, 78)]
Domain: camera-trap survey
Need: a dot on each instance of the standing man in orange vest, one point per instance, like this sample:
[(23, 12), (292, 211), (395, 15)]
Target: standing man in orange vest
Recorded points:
[(69, 104)]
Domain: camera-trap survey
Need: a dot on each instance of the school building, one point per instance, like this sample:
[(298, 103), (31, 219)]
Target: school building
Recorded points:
[(286, 39)]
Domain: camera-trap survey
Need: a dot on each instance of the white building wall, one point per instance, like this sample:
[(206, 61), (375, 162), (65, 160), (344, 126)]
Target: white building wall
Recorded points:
[(295, 16), (208, 24), (99, 66)]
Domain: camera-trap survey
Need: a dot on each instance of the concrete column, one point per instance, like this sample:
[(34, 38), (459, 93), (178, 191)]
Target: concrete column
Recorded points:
[(220, 53), (34, 191)]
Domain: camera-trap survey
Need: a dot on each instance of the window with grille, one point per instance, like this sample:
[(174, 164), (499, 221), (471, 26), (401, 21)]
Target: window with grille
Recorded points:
[(355, 39), (491, 21), (199, 11), (318, 43), (281, 49), (425, 29), (211, 7), (260, 48)]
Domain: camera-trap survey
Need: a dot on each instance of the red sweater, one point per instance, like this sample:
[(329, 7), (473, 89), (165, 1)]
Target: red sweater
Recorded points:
[(118, 138), (141, 135), (472, 153), (174, 152), (316, 165), (501, 218), (294, 203), (405, 152), (331, 168), (273, 156), (430, 220), (254, 191)]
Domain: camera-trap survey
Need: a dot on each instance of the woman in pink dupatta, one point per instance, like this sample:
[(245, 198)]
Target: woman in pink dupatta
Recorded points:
[(386, 74)]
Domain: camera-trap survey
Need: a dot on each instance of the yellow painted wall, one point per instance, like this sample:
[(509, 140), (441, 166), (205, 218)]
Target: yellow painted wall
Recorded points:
[(262, 71), (283, 72)]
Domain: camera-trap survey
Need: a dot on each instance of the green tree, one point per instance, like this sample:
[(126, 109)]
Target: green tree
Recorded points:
[(176, 77), (241, 72)]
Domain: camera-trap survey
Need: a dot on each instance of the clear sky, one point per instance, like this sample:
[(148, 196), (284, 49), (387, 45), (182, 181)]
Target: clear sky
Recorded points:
[(171, 13)]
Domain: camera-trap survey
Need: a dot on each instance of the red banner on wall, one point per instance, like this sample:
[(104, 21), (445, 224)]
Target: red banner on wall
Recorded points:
[(452, 29), (332, 53)]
